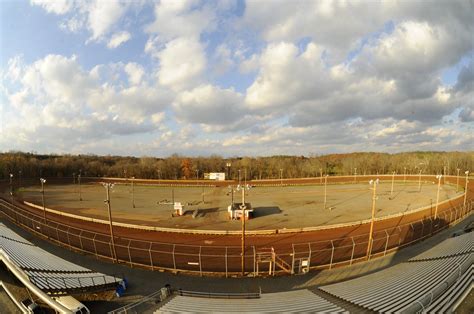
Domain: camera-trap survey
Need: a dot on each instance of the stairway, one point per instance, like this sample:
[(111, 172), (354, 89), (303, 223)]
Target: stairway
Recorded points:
[(268, 255)]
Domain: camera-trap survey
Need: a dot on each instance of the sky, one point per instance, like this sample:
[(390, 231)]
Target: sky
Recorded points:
[(236, 78)]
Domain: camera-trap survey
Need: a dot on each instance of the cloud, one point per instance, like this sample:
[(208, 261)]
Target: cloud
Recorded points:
[(181, 19), (54, 6), (182, 62), (118, 39), (209, 105), (55, 92), (102, 15)]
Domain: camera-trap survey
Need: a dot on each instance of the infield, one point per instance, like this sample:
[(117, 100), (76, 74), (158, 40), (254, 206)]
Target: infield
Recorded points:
[(275, 207)]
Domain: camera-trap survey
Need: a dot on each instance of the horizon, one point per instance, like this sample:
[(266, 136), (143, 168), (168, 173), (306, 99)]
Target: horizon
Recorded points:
[(236, 78)]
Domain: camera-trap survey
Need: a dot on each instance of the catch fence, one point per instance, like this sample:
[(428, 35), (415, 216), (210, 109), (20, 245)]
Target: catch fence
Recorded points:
[(226, 260)]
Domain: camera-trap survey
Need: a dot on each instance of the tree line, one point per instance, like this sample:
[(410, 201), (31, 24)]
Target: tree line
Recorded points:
[(30, 165)]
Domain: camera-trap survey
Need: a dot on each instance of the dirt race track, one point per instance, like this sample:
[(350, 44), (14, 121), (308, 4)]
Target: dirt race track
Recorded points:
[(221, 253)]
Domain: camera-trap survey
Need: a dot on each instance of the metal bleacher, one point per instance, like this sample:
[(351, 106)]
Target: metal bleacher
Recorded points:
[(414, 285), (49, 272), (288, 302)]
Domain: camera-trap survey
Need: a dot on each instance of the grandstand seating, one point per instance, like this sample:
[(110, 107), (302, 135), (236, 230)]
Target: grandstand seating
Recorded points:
[(291, 301), (413, 284), (47, 271), (447, 300)]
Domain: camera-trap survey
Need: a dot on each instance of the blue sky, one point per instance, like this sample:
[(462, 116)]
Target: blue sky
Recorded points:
[(235, 77)]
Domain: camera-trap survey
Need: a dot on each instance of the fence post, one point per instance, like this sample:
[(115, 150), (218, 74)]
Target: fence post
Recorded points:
[(151, 257), (57, 233), (413, 232), (254, 259), (399, 236), (292, 258), (200, 261), (68, 241), (332, 254), (353, 248), (422, 228), (95, 248), (111, 252), (129, 255), (386, 243), (174, 259), (309, 255), (80, 240), (226, 261)]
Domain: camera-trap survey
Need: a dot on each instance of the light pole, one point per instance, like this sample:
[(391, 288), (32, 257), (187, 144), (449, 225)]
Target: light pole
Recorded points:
[(80, 191), (325, 189), (444, 175), (133, 192), (457, 180), (228, 170), (73, 178), (11, 187), (281, 176), (393, 180), (43, 181), (355, 175), (465, 189), (320, 175), (107, 187), (439, 176), (242, 217), (404, 174), (374, 198), (239, 177), (419, 180)]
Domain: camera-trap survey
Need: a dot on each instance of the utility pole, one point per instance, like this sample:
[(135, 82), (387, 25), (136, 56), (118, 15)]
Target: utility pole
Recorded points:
[(457, 180), (374, 198), (325, 190), (11, 187), (465, 190), (419, 180), (43, 181), (242, 217), (444, 175), (228, 170), (133, 193), (439, 176), (107, 187), (393, 180), (80, 191)]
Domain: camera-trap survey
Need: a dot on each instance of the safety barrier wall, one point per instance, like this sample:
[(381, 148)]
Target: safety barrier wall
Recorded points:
[(227, 259)]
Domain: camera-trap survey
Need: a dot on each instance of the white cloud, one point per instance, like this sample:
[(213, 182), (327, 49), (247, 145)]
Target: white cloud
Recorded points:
[(102, 16), (135, 73), (209, 105), (186, 18), (286, 77), (54, 6), (56, 93), (118, 39), (182, 62)]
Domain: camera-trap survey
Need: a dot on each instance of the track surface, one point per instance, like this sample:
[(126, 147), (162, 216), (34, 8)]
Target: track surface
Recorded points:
[(219, 253)]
